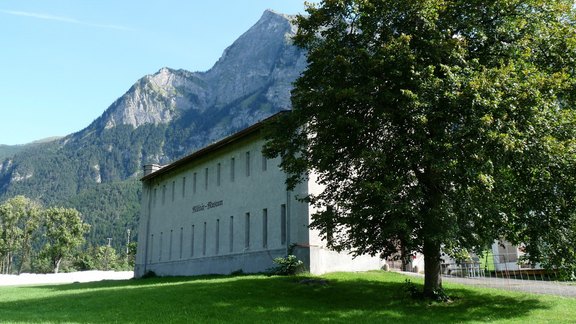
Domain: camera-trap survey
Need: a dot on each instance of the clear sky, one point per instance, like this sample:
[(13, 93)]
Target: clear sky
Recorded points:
[(63, 62)]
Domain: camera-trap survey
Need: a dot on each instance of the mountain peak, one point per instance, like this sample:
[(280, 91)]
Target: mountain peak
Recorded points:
[(263, 52), (261, 62), (271, 14)]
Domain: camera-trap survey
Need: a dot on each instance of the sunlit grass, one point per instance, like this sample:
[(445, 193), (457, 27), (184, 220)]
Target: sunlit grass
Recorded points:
[(373, 297)]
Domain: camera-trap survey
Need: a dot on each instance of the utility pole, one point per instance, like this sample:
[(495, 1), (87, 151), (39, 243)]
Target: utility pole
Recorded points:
[(128, 242)]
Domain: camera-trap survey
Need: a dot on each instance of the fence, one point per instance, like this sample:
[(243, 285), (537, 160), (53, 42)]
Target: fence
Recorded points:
[(506, 272), (502, 271)]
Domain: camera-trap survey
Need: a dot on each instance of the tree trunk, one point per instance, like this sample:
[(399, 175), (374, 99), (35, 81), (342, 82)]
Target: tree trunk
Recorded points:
[(9, 263), (25, 256), (404, 258), (25, 253), (57, 265), (432, 278)]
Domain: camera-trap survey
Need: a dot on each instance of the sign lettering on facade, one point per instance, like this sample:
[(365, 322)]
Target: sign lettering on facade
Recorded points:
[(208, 205)]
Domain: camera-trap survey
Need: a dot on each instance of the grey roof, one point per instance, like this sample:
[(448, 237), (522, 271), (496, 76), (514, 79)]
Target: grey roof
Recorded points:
[(211, 148)]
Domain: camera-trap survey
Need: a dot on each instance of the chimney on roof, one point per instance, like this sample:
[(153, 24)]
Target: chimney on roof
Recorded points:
[(151, 168)]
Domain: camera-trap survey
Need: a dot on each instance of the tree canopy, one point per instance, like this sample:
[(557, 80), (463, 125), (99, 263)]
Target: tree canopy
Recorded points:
[(38, 239), (437, 124), (19, 219), (64, 232)]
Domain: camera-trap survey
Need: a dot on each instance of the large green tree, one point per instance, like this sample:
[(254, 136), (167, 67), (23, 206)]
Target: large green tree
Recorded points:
[(64, 232), (19, 221), (436, 124)]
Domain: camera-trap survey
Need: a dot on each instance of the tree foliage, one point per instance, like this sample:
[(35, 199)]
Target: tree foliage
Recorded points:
[(64, 232), (19, 220), (436, 123), (105, 258)]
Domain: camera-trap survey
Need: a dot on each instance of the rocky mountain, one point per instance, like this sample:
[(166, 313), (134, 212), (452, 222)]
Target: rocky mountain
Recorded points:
[(162, 117)]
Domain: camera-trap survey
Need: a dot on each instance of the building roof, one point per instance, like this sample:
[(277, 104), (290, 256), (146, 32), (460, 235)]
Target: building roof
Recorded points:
[(210, 148)]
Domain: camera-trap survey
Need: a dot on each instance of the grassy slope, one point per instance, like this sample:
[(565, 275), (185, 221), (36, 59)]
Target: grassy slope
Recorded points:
[(357, 298)]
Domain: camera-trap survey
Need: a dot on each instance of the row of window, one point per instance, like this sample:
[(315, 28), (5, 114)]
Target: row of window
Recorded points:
[(199, 235), (206, 177)]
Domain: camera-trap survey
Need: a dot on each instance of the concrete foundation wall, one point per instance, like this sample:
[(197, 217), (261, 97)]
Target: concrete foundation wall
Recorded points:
[(226, 264)]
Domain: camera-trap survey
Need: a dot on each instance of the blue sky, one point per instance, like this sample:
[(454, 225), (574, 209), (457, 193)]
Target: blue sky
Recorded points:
[(63, 62)]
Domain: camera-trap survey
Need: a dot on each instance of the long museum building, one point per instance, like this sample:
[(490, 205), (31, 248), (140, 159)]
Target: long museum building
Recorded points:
[(225, 208)]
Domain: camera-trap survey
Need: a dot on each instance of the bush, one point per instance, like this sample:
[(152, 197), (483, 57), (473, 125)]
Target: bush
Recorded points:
[(286, 266), (149, 275)]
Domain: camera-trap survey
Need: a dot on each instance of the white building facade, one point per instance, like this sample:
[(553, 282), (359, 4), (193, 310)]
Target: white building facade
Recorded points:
[(225, 208)]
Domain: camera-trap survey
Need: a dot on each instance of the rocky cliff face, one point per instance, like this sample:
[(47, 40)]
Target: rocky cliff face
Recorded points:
[(162, 117), (157, 98), (263, 57), (261, 62)]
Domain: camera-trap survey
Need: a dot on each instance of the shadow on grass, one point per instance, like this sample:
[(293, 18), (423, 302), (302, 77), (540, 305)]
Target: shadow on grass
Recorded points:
[(251, 299)]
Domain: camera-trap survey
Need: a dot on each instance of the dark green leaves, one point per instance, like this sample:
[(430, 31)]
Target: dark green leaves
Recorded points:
[(436, 122)]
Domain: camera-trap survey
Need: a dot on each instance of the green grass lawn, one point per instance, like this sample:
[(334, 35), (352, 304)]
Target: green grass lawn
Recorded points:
[(373, 297)]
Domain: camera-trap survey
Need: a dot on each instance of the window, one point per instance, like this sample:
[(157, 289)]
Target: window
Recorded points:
[(231, 234), (173, 190), (247, 164), (192, 242), (183, 187), (170, 245), (181, 241), (163, 194), (264, 228), (154, 197), (217, 249), (206, 179), (194, 182), (232, 169), (151, 248), (204, 240), (160, 247), (247, 231), (218, 174), (283, 224)]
